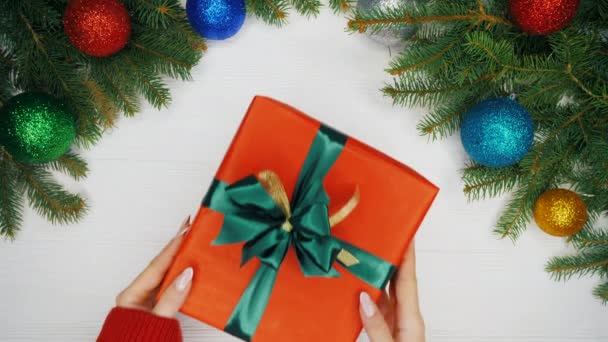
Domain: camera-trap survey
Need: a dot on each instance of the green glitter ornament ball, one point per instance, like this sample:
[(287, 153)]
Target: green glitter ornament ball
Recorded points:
[(36, 127)]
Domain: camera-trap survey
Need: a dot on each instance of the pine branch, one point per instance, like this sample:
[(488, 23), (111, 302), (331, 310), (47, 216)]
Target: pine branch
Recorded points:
[(68, 86), (442, 121), (420, 54), (108, 110), (48, 198), (601, 291), (11, 198), (6, 68), (152, 87), (157, 49), (111, 81), (600, 97), (413, 90), (591, 238), (542, 93), (273, 12), (512, 223), (36, 55), (584, 263), (71, 164), (553, 135), (482, 45), (516, 215), (157, 14), (500, 53), (467, 51), (163, 56), (447, 117), (482, 182), (308, 8), (340, 5), (382, 19)]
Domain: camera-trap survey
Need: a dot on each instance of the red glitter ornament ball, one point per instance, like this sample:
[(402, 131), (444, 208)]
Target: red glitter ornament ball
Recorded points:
[(540, 17), (98, 28)]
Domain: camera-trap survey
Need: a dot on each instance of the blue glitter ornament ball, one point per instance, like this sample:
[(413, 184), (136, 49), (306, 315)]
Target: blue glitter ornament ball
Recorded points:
[(497, 132), (216, 19)]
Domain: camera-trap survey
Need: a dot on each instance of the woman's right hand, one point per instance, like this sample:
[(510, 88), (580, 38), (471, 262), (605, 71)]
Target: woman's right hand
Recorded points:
[(398, 319)]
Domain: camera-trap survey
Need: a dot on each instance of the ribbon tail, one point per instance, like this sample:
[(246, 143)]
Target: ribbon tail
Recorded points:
[(369, 268), (248, 312)]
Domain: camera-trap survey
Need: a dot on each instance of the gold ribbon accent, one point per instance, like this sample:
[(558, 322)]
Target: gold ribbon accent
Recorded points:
[(346, 258), (346, 209), (273, 185)]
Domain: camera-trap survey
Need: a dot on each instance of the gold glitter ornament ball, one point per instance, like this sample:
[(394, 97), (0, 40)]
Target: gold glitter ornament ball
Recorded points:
[(560, 212)]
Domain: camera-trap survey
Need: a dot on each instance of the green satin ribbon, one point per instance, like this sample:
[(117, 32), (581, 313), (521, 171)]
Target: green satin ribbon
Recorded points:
[(251, 215)]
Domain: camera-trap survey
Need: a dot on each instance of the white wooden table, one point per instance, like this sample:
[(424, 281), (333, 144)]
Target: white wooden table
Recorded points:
[(58, 282)]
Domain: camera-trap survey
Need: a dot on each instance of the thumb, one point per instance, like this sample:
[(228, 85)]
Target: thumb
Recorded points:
[(373, 322), (175, 295)]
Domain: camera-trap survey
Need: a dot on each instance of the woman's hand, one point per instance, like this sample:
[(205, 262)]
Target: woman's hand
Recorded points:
[(142, 291), (398, 319)]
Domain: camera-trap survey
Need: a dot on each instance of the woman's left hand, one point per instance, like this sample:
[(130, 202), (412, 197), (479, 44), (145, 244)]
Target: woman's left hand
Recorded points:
[(142, 291)]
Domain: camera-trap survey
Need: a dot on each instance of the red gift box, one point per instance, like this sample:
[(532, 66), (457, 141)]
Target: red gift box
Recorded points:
[(393, 200)]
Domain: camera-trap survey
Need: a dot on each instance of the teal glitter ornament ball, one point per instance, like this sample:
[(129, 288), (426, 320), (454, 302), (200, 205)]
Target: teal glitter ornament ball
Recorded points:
[(216, 19), (36, 127), (497, 132)]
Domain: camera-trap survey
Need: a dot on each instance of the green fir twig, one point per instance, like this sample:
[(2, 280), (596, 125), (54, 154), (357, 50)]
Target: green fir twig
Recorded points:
[(36, 55), (467, 51)]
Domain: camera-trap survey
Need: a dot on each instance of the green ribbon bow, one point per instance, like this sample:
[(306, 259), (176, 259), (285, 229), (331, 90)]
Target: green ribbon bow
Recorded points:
[(256, 210)]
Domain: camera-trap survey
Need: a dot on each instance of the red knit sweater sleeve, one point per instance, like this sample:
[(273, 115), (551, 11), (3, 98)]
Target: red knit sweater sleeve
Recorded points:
[(131, 325)]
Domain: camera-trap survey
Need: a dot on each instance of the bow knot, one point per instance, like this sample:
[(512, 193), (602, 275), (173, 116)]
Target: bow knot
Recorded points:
[(287, 226), (263, 200)]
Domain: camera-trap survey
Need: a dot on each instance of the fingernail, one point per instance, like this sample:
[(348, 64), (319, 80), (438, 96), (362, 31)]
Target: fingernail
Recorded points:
[(183, 231), (366, 304), (184, 279), (184, 227)]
